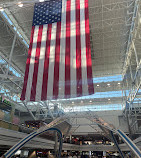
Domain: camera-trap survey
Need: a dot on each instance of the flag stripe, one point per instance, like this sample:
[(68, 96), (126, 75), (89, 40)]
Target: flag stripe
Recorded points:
[(78, 50), (62, 51), (27, 64), (32, 60), (83, 48), (73, 49), (88, 51), (51, 62), (46, 64), (57, 59), (67, 53), (41, 63), (36, 64)]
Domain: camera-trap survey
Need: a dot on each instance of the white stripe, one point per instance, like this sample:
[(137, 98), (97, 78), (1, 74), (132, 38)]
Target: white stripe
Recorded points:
[(51, 62), (41, 63), (31, 67), (73, 50), (62, 51), (83, 49)]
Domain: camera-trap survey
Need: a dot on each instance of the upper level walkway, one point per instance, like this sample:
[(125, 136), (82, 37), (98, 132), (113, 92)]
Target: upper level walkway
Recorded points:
[(10, 137)]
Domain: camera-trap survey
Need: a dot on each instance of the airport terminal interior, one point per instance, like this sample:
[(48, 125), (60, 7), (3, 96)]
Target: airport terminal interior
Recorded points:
[(106, 124)]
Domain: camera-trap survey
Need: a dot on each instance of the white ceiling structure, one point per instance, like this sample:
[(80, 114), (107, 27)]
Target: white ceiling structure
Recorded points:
[(110, 28), (110, 23)]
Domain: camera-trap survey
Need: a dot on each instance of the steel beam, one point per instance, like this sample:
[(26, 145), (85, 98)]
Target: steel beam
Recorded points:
[(130, 39), (30, 112), (135, 82), (11, 53)]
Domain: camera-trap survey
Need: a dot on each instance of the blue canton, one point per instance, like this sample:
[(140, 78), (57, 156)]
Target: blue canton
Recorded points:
[(47, 12)]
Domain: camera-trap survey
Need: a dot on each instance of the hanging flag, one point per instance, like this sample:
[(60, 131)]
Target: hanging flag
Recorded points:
[(59, 57)]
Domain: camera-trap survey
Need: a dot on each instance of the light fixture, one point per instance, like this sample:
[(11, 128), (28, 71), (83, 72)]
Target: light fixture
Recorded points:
[(97, 85), (72, 102), (41, 0), (1, 9), (108, 84), (20, 4), (90, 101), (119, 83), (109, 99)]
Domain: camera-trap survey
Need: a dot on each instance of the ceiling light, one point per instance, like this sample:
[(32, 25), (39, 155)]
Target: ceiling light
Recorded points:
[(119, 83), (108, 84), (41, 0), (97, 85), (20, 4), (90, 101), (109, 99), (72, 102), (1, 9)]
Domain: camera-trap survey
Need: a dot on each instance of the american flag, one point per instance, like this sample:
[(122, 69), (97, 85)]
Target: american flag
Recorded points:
[(59, 58)]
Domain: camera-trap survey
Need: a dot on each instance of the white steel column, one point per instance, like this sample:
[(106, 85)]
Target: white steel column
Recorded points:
[(11, 53), (132, 75), (25, 104)]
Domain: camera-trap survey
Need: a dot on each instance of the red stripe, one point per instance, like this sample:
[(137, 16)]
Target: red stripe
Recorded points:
[(78, 50), (27, 65), (36, 64), (46, 64), (88, 51), (67, 53), (57, 59)]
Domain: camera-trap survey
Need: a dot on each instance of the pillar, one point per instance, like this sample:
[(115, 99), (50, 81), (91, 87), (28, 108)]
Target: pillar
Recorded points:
[(70, 139), (56, 143), (12, 112)]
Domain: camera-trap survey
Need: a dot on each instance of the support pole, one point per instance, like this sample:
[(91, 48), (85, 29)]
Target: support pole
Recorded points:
[(137, 60), (56, 143), (11, 53), (25, 104), (47, 106), (70, 139), (127, 118), (12, 113)]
